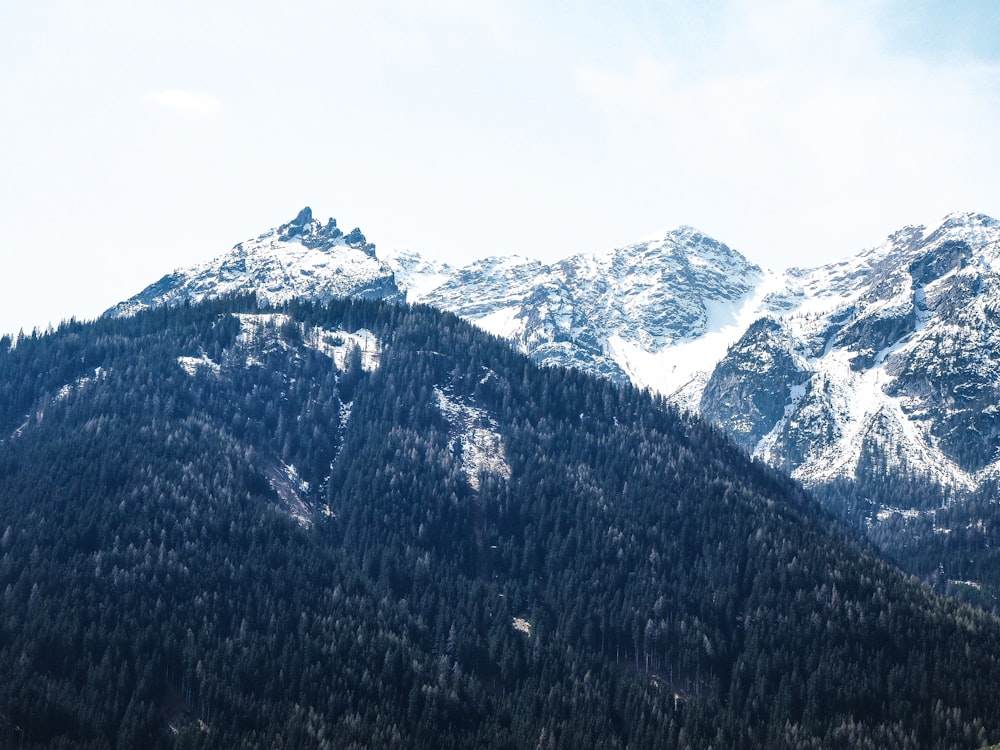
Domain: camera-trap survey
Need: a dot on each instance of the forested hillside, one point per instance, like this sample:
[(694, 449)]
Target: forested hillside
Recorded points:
[(371, 525), (949, 539)]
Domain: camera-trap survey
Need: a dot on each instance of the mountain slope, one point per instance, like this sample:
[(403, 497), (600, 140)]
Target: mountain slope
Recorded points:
[(621, 314), (228, 525), (886, 361), (890, 359)]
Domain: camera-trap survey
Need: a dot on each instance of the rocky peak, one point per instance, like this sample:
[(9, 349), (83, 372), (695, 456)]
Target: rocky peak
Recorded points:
[(298, 226), (305, 229), (302, 258), (357, 240), (304, 217)]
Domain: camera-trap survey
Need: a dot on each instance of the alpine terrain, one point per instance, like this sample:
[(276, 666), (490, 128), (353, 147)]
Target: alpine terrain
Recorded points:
[(873, 380), (631, 314)]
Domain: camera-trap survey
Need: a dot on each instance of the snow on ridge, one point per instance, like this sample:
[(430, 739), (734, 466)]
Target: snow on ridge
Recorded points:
[(286, 269), (476, 434), (295, 260), (963, 223), (415, 275), (334, 344), (660, 235)]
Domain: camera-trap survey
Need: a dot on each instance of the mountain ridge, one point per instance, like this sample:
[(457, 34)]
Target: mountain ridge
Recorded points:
[(850, 342)]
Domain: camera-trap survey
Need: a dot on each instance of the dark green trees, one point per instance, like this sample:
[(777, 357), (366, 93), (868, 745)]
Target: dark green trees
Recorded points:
[(225, 526)]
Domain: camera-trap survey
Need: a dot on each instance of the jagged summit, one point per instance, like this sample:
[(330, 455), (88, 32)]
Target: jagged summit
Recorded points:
[(303, 258), (304, 217), (314, 234)]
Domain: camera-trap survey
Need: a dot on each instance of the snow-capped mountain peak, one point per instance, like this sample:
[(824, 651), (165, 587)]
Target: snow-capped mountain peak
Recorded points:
[(302, 258), (317, 236)]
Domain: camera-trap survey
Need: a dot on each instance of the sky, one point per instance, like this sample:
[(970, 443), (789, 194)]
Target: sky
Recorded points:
[(141, 136)]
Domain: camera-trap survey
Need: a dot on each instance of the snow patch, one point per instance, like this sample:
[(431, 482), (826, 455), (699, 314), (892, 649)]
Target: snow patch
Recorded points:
[(415, 275), (887, 512), (259, 331), (423, 285), (863, 411), (475, 436), (262, 330), (971, 584), (337, 346), (680, 369), (63, 393), (81, 382), (191, 365), (505, 322)]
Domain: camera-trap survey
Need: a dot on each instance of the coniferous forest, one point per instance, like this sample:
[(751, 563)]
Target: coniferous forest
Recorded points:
[(947, 537), (369, 525)]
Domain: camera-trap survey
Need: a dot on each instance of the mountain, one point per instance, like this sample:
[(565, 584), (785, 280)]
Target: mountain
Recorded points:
[(625, 314), (889, 359), (872, 380), (658, 313), (303, 258), (237, 523), (860, 353), (875, 381)]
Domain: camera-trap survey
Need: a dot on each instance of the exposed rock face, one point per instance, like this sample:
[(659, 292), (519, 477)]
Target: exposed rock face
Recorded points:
[(889, 360), (584, 310), (749, 388)]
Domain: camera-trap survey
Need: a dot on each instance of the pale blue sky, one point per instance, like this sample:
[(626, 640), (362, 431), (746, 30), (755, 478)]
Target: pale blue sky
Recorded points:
[(143, 136)]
